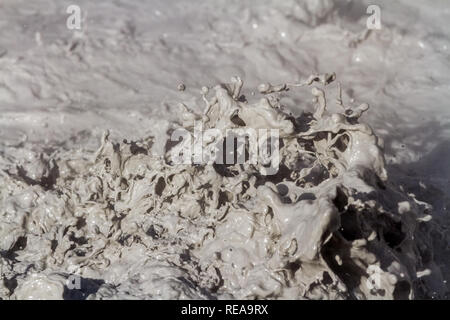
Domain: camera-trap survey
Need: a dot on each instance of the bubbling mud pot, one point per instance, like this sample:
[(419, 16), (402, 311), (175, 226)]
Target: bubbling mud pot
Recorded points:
[(123, 223)]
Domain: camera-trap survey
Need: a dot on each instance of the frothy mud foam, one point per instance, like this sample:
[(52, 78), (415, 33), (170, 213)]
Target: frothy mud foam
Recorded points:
[(124, 223)]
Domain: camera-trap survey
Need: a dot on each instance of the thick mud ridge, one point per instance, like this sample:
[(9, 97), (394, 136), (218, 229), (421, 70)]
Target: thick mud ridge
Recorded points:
[(126, 223)]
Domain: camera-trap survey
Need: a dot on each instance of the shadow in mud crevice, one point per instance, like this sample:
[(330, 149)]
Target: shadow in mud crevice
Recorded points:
[(349, 272), (352, 11), (429, 179)]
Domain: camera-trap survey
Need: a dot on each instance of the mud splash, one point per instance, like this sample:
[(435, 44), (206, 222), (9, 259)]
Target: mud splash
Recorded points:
[(130, 224)]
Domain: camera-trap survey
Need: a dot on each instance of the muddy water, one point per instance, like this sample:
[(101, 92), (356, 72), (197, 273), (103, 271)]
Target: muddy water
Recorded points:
[(63, 214)]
